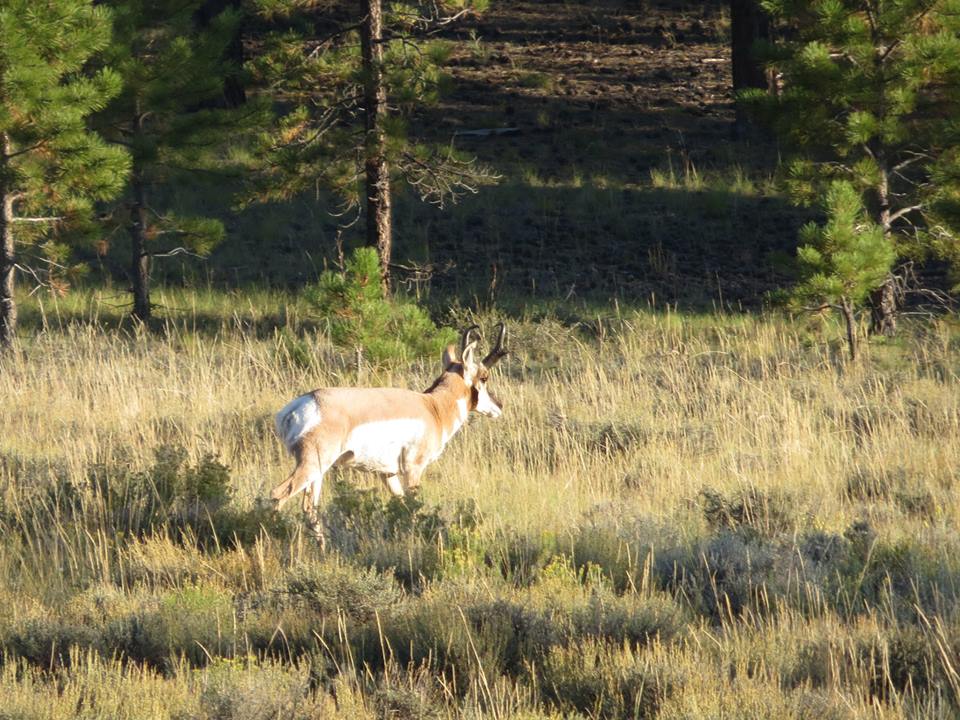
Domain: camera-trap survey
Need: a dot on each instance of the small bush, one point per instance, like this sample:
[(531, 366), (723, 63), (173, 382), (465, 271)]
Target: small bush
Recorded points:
[(355, 515), (185, 499), (892, 485), (752, 512), (628, 619), (230, 690), (522, 557), (360, 316), (400, 534), (905, 660), (602, 681), (729, 571), (171, 492), (359, 594), (401, 702)]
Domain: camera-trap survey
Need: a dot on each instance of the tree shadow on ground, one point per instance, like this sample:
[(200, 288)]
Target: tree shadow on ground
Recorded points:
[(695, 248)]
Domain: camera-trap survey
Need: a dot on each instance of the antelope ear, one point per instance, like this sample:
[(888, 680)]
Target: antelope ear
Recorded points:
[(450, 356), (469, 361)]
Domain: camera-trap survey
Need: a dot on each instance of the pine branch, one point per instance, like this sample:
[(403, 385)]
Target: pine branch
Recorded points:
[(51, 218), (176, 251), (910, 161), (903, 211), (25, 150)]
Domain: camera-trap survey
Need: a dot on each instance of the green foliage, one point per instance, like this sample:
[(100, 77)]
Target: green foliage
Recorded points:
[(604, 681), (848, 256), (173, 496), (330, 588), (174, 113), (870, 93), (318, 136), (362, 516), (49, 160), (360, 317)]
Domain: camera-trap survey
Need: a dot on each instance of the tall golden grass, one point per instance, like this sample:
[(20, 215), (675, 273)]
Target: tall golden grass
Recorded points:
[(626, 437)]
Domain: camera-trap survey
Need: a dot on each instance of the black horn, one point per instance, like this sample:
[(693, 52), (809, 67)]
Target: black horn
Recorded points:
[(498, 352), (465, 338)]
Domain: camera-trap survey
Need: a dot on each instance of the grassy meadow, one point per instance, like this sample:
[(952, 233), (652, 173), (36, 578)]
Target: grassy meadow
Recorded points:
[(678, 516)]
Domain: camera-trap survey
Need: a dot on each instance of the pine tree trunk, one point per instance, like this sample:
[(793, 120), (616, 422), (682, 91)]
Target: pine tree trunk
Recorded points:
[(140, 258), (377, 170), (883, 300), (8, 305), (846, 308), (883, 309), (748, 23)]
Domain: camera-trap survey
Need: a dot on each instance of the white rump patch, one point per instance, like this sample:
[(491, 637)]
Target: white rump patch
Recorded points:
[(298, 417)]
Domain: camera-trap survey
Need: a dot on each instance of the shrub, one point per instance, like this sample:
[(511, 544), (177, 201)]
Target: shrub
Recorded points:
[(361, 317), (401, 534), (602, 681), (355, 515), (628, 619), (892, 484), (751, 512), (232, 690), (358, 593), (187, 499), (522, 557), (723, 578)]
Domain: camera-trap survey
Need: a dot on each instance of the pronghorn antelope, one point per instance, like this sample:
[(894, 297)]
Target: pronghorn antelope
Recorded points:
[(389, 431)]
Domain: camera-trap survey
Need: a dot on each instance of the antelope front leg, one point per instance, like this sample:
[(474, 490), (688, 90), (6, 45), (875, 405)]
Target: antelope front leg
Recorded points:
[(394, 485), (311, 502), (410, 471), (411, 478)]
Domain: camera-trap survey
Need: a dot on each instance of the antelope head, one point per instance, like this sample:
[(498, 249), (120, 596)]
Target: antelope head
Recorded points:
[(476, 373)]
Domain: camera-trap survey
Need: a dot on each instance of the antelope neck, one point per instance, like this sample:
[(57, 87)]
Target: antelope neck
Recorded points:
[(452, 398)]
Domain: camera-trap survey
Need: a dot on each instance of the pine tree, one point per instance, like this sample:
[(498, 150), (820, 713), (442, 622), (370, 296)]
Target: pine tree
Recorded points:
[(349, 77), (172, 116), (51, 167), (844, 259), (749, 27), (871, 94)]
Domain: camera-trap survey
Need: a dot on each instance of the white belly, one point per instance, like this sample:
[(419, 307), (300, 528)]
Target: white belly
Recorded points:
[(378, 446)]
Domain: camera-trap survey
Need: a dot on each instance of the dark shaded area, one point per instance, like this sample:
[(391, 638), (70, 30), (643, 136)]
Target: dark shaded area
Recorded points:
[(749, 24), (622, 178)]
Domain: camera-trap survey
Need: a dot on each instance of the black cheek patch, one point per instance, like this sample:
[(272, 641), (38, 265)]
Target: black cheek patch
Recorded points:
[(474, 398)]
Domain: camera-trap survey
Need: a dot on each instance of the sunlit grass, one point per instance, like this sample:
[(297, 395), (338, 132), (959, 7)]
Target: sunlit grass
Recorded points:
[(652, 523)]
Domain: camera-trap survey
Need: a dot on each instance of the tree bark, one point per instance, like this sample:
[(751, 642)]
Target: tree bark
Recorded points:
[(748, 23), (883, 300), (377, 171), (140, 258), (8, 304), (883, 308), (846, 308)]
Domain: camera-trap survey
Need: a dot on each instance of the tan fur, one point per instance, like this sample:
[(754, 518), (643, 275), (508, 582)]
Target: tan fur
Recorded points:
[(345, 408), (394, 432)]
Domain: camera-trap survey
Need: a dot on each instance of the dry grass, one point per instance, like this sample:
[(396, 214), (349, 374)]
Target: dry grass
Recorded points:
[(678, 516)]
